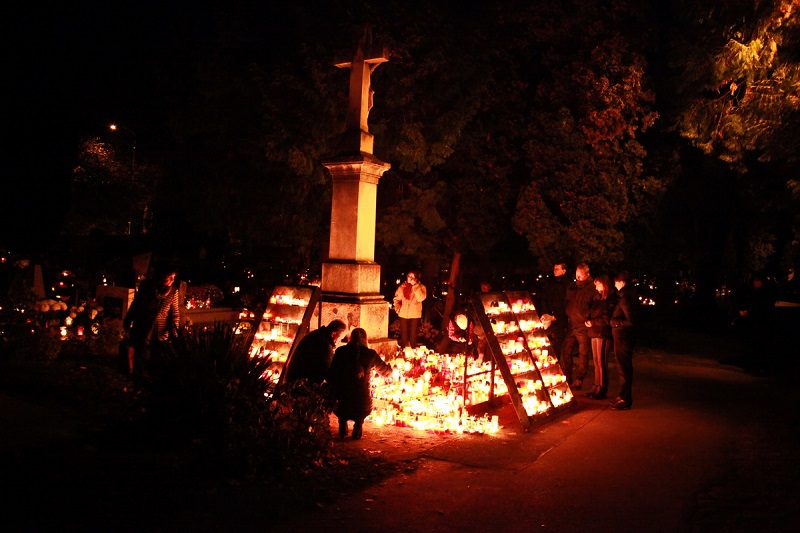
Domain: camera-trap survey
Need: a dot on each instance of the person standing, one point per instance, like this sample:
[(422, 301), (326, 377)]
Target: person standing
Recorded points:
[(623, 319), (154, 317), (349, 378), (756, 319), (553, 310), (580, 294), (408, 305), (600, 334), (314, 352)]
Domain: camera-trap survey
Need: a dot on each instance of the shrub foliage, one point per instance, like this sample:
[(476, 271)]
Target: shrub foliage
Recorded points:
[(205, 388)]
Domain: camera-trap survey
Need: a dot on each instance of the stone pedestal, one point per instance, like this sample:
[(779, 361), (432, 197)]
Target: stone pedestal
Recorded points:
[(351, 278)]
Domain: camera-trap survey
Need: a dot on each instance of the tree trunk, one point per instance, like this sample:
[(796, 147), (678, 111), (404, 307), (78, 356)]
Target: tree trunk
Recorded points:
[(450, 301)]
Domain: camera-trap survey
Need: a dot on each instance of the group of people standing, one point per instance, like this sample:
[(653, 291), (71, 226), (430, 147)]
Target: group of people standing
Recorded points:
[(590, 315)]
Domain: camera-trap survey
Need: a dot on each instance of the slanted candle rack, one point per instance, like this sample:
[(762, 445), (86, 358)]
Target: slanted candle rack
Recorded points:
[(537, 387), (286, 319)]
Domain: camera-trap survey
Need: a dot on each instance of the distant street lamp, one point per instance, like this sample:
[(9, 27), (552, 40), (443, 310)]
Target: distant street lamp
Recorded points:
[(116, 127)]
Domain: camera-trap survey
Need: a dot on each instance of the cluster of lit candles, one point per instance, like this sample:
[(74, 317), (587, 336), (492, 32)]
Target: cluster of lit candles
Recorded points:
[(426, 391), (275, 329), (285, 299)]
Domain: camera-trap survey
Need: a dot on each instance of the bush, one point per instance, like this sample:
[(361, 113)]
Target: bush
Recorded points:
[(205, 388), (36, 343), (106, 342)]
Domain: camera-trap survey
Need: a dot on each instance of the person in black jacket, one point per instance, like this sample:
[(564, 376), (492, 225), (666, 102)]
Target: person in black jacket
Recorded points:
[(756, 321), (623, 319), (600, 333), (580, 294), (553, 309), (349, 378), (312, 357)]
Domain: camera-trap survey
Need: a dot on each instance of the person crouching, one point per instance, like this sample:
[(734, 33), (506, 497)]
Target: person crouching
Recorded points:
[(349, 378)]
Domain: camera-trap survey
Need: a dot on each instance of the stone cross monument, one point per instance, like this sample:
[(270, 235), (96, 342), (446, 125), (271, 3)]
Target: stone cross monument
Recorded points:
[(351, 277)]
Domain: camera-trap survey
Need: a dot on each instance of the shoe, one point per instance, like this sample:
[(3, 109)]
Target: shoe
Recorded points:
[(595, 395), (577, 384), (620, 405)]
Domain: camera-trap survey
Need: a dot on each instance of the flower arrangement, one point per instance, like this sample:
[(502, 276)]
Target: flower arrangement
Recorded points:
[(48, 310)]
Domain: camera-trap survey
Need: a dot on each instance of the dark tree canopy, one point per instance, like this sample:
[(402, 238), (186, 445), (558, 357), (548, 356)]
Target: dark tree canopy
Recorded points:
[(622, 133)]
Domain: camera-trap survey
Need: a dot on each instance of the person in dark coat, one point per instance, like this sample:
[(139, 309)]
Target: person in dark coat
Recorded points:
[(756, 321), (154, 316), (349, 378), (553, 309), (623, 320), (599, 324), (312, 357), (580, 294)]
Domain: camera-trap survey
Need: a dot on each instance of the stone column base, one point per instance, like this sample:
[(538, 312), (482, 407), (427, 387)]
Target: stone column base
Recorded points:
[(370, 312)]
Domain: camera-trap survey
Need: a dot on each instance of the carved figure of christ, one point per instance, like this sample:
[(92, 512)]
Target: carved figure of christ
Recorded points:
[(361, 68)]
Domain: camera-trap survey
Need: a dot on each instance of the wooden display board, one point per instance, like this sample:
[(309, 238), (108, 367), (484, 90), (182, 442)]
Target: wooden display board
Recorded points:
[(286, 319), (516, 339)]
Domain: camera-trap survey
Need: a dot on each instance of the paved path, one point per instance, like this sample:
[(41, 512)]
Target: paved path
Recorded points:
[(706, 447)]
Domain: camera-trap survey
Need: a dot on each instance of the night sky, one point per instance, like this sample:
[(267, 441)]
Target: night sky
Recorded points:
[(76, 69)]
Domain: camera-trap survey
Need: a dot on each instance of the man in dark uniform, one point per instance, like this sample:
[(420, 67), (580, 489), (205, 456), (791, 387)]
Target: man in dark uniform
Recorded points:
[(313, 355)]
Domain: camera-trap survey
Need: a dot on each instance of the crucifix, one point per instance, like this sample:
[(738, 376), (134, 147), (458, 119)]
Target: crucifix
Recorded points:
[(363, 62)]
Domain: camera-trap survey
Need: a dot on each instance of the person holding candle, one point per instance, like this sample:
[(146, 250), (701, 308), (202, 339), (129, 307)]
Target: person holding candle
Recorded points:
[(600, 334), (580, 294), (622, 321), (349, 378), (408, 305)]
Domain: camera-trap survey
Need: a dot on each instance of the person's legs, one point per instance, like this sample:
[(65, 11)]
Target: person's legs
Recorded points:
[(141, 362), (565, 357), (413, 328), (555, 334), (584, 349), (623, 353), (357, 429), (597, 347), (602, 390), (404, 332), (342, 427)]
